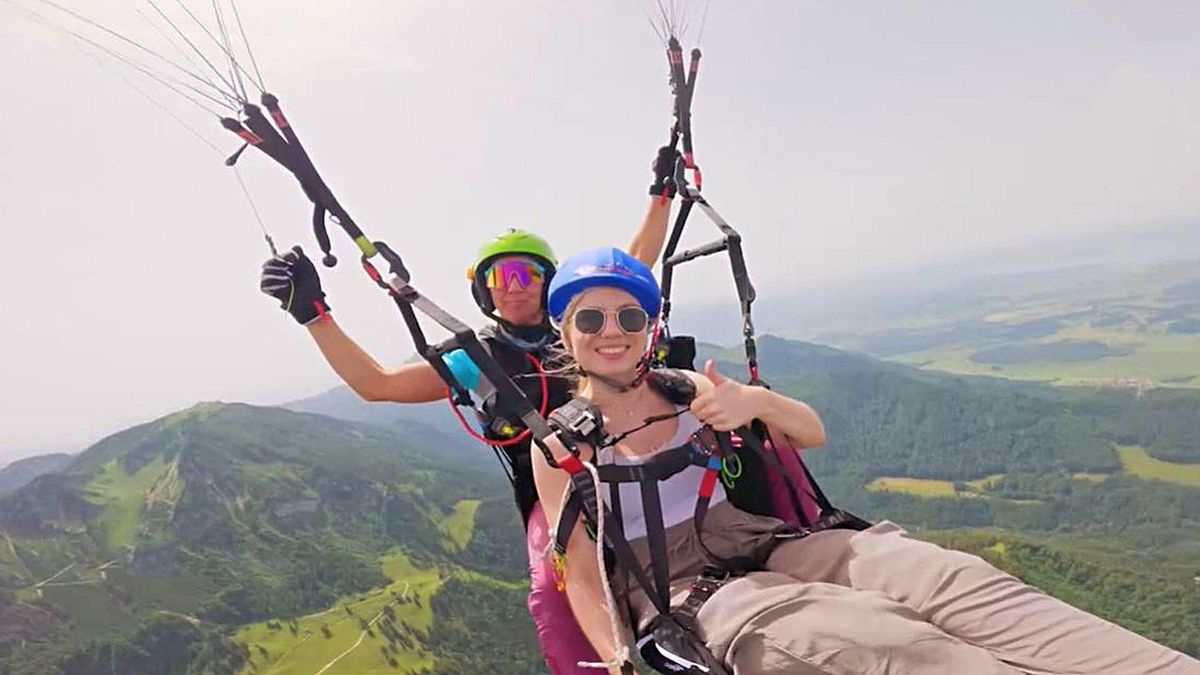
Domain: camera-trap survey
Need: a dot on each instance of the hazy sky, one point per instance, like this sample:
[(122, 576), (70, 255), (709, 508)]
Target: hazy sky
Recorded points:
[(842, 138)]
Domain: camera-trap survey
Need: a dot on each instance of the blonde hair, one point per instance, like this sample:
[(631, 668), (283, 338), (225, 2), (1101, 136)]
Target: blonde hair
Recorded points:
[(559, 360)]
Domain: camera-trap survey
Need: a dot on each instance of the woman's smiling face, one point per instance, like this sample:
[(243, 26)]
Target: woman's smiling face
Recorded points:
[(517, 303), (611, 352)]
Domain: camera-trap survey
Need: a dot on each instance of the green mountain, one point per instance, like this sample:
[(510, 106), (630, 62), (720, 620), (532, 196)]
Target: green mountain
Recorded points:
[(167, 536), (1077, 471), (996, 438), (236, 539), (1098, 489), (24, 470)]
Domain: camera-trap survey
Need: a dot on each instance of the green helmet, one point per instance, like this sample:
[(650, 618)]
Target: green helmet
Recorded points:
[(512, 242)]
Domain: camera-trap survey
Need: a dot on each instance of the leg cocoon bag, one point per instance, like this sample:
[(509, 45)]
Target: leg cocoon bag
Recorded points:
[(771, 624), (966, 597)]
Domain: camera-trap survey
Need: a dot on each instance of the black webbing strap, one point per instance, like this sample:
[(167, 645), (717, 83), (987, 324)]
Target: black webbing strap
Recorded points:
[(709, 582), (730, 243), (683, 86), (284, 146), (584, 502), (664, 465), (656, 538), (736, 564), (581, 483)]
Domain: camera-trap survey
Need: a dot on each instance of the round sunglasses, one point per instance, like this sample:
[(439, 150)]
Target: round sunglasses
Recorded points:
[(591, 320)]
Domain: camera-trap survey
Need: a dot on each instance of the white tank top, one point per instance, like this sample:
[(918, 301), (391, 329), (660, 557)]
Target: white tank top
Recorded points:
[(677, 494)]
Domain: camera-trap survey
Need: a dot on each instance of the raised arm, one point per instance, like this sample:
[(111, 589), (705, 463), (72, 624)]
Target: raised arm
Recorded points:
[(584, 587), (410, 383), (648, 241), (727, 405), (293, 280)]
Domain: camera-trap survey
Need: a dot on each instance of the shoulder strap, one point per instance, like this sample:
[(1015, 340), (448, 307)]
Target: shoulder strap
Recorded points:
[(672, 384), (580, 420)]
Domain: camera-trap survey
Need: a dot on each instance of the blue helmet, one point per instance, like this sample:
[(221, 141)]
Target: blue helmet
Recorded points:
[(599, 268)]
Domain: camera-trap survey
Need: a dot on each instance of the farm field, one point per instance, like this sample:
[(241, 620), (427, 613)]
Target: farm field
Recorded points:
[(1151, 360), (353, 637), (1133, 327), (920, 487), (1134, 461), (458, 526)]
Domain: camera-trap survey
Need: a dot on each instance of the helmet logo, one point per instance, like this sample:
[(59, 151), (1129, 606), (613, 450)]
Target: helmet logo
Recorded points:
[(598, 269)]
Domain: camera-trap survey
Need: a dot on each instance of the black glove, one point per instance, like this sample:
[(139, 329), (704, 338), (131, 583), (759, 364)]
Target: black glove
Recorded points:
[(664, 172), (293, 281)]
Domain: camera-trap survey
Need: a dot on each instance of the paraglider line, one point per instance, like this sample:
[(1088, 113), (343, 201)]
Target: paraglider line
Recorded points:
[(254, 208), (138, 45), (703, 23), (174, 26), (160, 78), (198, 22), (262, 87), (668, 25), (233, 72), (186, 56)]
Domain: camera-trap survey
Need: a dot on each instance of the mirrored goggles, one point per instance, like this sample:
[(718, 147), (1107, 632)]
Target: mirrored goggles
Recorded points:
[(590, 320), (526, 272)]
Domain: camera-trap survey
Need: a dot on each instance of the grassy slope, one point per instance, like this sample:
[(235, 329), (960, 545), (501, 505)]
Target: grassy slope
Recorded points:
[(123, 498), (1135, 461), (986, 482), (306, 650), (458, 526)]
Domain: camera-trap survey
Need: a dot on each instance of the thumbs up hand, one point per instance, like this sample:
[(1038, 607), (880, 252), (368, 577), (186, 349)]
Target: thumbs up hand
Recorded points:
[(727, 404)]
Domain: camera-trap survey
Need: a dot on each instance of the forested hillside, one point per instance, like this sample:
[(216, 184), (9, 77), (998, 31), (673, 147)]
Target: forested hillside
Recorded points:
[(165, 537), (231, 539)]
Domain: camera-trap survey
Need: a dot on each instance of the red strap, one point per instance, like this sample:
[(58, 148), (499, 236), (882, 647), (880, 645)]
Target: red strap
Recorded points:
[(708, 484), (570, 464), (280, 120), (489, 441), (250, 137)]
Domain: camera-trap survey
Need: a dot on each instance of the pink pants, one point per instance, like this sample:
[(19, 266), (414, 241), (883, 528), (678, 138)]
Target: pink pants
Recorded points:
[(563, 642)]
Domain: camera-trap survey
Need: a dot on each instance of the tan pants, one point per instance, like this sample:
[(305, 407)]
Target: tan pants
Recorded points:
[(843, 602)]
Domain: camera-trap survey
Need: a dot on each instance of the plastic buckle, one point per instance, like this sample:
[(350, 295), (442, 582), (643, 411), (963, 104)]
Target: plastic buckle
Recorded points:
[(584, 424), (710, 580)]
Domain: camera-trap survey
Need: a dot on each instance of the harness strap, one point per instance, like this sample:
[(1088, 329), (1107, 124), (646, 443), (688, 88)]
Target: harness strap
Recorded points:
[(656, 537), (582, 484), (735, 564), (663, 466), (709, 582)]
